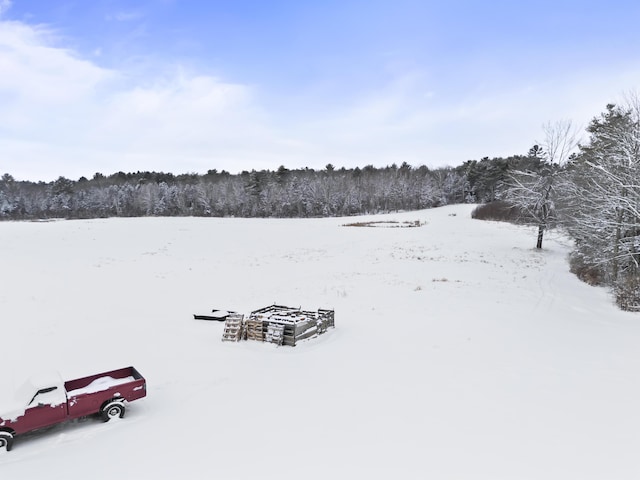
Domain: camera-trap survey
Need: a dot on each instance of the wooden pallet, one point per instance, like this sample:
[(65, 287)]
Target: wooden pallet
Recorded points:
[(233, 328), (326, 319), (275, 333), (254, 330)]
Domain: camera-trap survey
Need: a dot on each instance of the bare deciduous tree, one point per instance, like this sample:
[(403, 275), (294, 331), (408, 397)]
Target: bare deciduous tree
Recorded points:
[(533, 193)]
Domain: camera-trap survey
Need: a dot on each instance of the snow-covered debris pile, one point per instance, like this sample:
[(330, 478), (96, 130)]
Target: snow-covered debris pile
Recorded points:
[(278, 324)]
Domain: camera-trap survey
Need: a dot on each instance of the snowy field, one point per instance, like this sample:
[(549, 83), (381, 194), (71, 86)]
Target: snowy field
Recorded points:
[(460, 352)]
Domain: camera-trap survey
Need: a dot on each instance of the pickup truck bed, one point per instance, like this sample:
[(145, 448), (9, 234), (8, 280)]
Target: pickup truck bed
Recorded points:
[(86, 395)]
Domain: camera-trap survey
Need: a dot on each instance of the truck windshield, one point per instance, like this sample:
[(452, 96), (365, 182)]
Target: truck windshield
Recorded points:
[(41, 392)]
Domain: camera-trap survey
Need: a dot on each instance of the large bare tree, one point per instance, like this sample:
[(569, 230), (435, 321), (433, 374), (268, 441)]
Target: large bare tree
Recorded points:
[(533, 192)]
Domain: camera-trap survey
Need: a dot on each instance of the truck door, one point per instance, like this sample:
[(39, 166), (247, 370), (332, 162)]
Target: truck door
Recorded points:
[(47, 407)]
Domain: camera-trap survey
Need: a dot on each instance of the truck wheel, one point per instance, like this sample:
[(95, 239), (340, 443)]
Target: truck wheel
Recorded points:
[(6, 441), (113, 410)]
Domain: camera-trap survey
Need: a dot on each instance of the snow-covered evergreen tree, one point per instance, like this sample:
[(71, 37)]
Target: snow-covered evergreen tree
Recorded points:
[(603, 208)]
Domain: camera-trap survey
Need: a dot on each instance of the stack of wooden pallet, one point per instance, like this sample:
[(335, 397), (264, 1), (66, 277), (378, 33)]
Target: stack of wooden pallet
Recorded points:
[(277, 324), (326, 319), (275, 333), (254, 330), (233, 328), (288, 325)]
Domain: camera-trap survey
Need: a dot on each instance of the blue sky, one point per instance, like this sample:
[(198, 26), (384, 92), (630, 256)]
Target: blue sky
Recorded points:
[(187, 86)]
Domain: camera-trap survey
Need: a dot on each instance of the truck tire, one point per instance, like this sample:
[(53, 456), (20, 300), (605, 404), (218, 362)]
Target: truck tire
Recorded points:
[(113, 410), (6, 441)]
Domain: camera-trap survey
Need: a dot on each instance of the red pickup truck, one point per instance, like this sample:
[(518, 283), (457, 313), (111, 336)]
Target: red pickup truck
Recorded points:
[(46, 400)]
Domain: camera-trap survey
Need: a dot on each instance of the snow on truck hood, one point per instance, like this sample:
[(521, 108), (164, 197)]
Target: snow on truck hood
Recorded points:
[(12, 407)]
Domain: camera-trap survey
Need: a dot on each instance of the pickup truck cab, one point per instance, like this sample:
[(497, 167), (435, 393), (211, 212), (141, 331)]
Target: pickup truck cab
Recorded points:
[(46, 400)]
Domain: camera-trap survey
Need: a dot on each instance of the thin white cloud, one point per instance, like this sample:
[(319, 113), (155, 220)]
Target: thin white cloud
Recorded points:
[(409, 121), (125, 16), (4, 6)]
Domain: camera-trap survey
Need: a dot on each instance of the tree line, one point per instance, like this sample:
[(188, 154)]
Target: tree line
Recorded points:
[(280, 193)]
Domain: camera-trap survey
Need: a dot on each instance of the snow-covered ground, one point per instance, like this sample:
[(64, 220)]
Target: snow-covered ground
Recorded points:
[(460, 352)]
